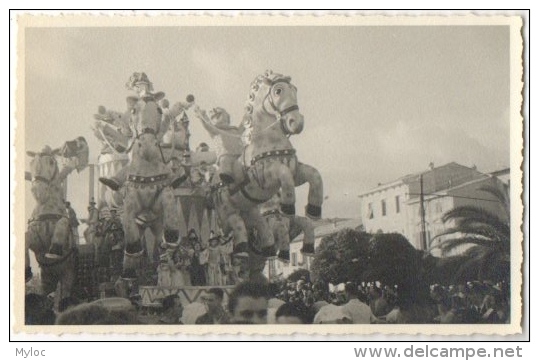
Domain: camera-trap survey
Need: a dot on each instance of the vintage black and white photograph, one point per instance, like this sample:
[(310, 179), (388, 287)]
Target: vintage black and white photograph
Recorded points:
[(352, 173)]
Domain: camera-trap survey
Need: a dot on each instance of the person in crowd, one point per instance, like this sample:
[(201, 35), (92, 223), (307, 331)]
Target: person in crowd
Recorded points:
[(191, 248), (491, 310), (378, 304), (38, 310), (360, 312), (248, 303), (73, 222), (215, 314), (92, 221), (197, 267), (113, 231), (446, 313), (96, 314), (214, 262), (296, 313), (332, 314), (172, 310), (227, 247), (67, 303)]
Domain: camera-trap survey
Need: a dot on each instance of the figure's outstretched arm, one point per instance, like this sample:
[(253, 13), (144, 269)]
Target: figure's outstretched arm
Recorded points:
[(69, 167), (206, 123)]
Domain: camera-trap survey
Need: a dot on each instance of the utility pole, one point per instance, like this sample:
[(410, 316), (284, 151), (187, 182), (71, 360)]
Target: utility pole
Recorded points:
[(91, 181), (423, 235)]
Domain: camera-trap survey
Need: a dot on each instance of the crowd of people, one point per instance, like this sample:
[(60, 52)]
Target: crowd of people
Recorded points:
[(197, 263), (299, 302)]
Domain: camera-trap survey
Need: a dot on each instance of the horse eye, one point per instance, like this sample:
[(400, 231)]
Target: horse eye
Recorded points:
[(278, 91)]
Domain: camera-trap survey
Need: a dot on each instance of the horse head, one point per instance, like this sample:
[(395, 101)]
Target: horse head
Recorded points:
[(145, 114), (44, 166), (145, 121), (275, 97), (44, 169)]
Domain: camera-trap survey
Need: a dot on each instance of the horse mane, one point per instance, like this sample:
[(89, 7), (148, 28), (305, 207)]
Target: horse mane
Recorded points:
[(268, 78)]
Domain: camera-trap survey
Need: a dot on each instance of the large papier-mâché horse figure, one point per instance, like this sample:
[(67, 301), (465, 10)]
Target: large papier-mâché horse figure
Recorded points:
[(149, 201), (48, 234), (268, 164)]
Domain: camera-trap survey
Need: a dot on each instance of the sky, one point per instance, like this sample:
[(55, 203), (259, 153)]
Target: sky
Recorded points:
[(379, 102)]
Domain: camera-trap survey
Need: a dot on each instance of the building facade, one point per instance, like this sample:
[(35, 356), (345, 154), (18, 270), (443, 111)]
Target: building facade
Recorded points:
[(396, 206)]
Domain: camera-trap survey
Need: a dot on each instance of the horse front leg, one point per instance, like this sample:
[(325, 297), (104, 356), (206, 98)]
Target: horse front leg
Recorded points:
[(133, 252), (280, 227), (307, 228), (265, 234), (230, 219), (27, 267), (170, 227), (288, 190), (60, 239), (307, 174)]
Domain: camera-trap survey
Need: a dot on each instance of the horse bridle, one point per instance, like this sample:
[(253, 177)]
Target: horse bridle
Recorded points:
[(43, 179), (278, 114)]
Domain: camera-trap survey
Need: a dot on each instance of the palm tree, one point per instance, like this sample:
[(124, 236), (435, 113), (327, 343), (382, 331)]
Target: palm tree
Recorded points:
[(487, 233)]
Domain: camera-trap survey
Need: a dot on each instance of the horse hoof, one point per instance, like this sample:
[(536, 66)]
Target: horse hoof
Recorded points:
[(288, 210), (226, 178), (266, 252), (117, 247), (133, 248), (171, 236), (177, 182), (111, 183), (241, 250), (55, 252), (313, 212), (28, 275), (129, 274), (284, 256), (308, 250)]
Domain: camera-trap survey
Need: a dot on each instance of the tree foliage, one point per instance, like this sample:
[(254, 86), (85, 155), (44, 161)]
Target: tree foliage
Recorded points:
[(487, 233), (299, 274), (341, 257)]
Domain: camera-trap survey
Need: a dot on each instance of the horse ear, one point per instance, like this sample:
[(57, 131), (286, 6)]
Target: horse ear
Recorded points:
[(131, 101), (30, 153)]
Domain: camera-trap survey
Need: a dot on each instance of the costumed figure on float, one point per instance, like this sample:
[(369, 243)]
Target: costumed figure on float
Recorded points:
[(268, 164), (49, 235), (147, 180)]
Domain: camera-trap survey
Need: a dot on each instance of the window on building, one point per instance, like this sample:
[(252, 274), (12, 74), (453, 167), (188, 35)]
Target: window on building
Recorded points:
[(294, 259), (397, 204), (370, 211), (384, 210)]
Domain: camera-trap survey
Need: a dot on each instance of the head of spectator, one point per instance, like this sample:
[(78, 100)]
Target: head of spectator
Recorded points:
[(213, 299), (351, 291), (192, 236), (37, 310), (172, 310), (95, 314), (248, 303), (293, 313), (67, 302)]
